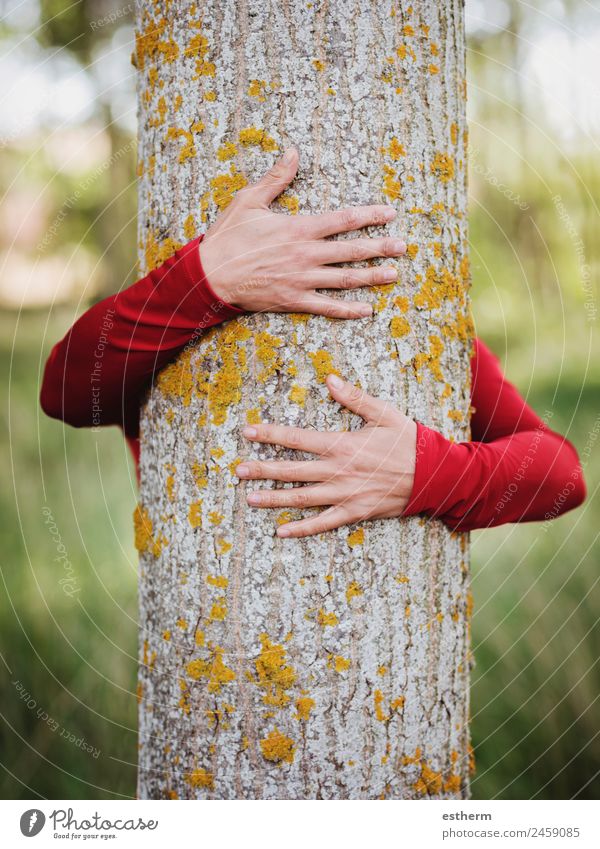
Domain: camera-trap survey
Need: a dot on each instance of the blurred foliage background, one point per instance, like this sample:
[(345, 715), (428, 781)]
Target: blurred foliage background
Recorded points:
[(68, 568)]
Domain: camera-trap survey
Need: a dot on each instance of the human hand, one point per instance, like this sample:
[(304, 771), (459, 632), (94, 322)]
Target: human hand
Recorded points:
[(363, 474), (260, 261)]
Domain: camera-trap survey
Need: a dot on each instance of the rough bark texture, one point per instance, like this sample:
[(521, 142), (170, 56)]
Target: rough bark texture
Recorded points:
[(334, 667)]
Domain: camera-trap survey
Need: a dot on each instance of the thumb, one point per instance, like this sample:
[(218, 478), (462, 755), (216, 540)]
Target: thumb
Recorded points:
[(277, 178), (372, 410)]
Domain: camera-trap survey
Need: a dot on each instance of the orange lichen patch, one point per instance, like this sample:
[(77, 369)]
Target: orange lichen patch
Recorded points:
[(297, 394), (256, 137), (471, 753), (433, 69), (273, 673), (408, 30), (412, 250), (443, 167), (265, 347), (155, 254), (182, 623), (283, 517), (151, 46), (353, 589), (177, 380), (257, 89), (378, 705), (166, 635), (357, 537), (402, 303), (430, 782), (218, 611), (199, 471), (170, 486), (304, 705), (395, 150), (431, 359), (144, 539), (407, 610), (224, 389), (198, 48), (277, 747), (215, 518), (224, 186), (452, 784), (382, 670), (227, 151), (318, 65), (327, 619), (439, 286), (397, 704), (188, 150), (323, 365), (391, 185), (213, 669), (200, 778), (402, 579), (289, 202), (217, 581), (456, 415), (139, 692), (340, 664), (454, 133), (399, 327), (223, 546), (189, 228), (199, 637)]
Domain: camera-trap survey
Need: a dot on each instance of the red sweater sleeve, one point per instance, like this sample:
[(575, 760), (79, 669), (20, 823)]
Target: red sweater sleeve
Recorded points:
[(516, 470), (98, 374)]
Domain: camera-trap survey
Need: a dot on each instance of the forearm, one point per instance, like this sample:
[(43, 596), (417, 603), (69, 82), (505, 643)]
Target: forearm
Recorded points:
[(525, 476), (98, 373)]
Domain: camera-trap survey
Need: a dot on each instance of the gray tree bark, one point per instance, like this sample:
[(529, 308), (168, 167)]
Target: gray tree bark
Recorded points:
[(333, 667)]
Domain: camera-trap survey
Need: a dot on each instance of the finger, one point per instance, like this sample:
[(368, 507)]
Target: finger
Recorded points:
[(351, 218), (283, 470), (346, 278), (354, 250), (300, 439), (317, 304), (371, 409), (298, 496), (277, 178), (328, 520)]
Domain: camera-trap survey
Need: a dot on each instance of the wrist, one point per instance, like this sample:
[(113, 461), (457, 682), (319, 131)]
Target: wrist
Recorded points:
[(213, 281)]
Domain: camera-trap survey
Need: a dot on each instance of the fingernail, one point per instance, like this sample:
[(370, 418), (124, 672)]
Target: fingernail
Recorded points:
[(390, 274), (250, 432), (335, 381), (365, 310), (242, 471), (283, 532), (254, 498), (399, 246), (389, 213)]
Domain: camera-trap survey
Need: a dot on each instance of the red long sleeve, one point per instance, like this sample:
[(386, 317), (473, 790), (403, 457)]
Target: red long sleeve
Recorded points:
[(516, 470), (98, 373)]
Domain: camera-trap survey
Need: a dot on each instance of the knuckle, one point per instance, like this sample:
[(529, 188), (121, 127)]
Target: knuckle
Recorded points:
[(255, 468), (295, 438), (298, 498), (387, 247), (355, 395), (357, 251), (347, 281), (349, 218)]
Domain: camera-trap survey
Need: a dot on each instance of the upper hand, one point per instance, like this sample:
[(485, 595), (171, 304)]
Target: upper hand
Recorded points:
[(263, 262), (363, 474)]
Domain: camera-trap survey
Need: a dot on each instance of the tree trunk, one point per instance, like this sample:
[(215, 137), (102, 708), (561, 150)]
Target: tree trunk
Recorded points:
[(333, 667)]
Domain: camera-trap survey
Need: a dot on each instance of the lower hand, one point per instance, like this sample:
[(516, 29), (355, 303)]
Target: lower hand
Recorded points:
[(364, 474), (259, 261)]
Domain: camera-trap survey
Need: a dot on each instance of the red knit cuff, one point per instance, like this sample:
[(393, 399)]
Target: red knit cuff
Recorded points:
[(440, 468), (206, 299)]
